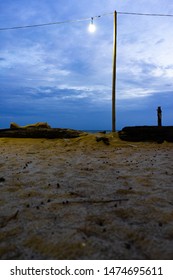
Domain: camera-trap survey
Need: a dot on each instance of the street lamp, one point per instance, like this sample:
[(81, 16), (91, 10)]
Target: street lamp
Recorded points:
[(92, 29)]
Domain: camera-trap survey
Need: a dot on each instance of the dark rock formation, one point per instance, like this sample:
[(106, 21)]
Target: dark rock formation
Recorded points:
[(147, 133), (104, 139), (49, 133)]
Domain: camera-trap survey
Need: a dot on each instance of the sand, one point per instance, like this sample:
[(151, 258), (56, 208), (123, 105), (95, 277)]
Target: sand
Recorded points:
[(83, 199)]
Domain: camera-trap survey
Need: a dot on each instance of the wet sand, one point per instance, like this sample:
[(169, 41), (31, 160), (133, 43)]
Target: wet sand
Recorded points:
[(83, 199)]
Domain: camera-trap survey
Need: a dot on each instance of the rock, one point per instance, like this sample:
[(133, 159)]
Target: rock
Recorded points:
[(39, 132), (2, 179), (158, 134), (14, 125), (104, 139)]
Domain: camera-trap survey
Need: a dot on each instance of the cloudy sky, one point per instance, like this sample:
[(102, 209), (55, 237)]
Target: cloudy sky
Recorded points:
[(62, 73)]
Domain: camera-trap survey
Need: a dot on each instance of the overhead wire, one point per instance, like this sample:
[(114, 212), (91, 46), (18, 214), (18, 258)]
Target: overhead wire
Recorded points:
[(82, 19), (145, 14), (53, 23), (43, 24)]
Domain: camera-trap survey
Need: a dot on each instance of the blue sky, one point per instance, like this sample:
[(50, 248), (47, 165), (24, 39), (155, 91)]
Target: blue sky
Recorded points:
[(62, 74)]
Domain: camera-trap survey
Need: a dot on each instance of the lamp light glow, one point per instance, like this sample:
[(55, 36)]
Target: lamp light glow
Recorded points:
[(92, 27)]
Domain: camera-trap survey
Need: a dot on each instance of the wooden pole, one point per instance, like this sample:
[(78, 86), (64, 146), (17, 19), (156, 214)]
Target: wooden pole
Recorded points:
[(114, 74), (159, 116)]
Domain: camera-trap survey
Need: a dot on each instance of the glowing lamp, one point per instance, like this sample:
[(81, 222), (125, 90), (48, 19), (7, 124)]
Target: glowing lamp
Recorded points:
[(92, 27)]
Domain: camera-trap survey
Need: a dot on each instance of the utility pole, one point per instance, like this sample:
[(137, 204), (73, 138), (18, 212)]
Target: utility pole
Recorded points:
[(114, 73), (159, 116)]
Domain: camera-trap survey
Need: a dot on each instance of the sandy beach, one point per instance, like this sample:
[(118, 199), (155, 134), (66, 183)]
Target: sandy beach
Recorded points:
[(85, 199)]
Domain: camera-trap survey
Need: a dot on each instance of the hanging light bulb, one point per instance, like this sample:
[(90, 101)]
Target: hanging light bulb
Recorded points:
[(92, 27)]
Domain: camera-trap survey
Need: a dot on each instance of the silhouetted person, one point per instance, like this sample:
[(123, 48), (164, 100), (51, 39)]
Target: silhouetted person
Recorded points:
[(159, 116)]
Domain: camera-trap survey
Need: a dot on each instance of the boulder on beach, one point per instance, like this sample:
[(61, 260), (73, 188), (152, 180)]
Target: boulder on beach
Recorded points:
[(14, 125)]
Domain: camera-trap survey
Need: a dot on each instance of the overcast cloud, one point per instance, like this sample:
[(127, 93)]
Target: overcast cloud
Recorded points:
[(62, 74)]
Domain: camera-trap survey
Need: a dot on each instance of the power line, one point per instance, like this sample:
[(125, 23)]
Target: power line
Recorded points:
[(146, 14), (53, 23), (82, 19), (42, 24)]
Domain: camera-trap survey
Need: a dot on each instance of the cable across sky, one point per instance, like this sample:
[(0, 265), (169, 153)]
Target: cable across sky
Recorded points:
[(83, 19)]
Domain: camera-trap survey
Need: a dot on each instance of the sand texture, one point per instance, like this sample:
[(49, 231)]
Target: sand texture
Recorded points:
[(85, 198)]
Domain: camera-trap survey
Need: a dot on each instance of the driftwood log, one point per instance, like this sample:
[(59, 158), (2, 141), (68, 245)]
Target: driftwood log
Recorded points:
[(147, 133)]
